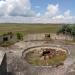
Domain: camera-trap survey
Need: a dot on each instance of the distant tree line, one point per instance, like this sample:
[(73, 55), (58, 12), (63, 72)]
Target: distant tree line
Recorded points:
[(67, 30)]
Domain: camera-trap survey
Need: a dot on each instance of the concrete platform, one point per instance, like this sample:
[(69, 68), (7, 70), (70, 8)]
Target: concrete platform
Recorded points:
[(3, 63)]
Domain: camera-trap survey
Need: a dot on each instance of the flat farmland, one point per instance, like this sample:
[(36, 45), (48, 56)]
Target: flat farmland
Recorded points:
[(28, 28)]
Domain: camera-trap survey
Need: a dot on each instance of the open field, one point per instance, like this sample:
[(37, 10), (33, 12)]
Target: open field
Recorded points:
[(28, 28)]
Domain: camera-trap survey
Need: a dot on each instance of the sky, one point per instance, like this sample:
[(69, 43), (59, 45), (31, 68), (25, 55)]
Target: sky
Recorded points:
[(37, 11)]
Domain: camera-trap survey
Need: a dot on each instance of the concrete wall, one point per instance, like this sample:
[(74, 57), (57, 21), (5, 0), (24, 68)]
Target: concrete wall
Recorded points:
[(13, 38), (1, 39), (3, 65), (41, 36)]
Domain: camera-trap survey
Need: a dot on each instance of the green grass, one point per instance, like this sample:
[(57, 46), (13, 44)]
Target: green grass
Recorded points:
[(34, 59), (67, 42), (53, 61), (6, 44), (28, 28)]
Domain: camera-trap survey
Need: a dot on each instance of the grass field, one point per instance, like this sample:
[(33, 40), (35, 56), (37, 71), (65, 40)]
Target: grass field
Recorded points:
[(35, 58), (28, 28)]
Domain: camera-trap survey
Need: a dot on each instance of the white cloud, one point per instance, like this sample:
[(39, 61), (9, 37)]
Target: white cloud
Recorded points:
[(53, 14), (66, 15), (58, 17), (16, 8), (21, 11), (52, 10), (21, 19)]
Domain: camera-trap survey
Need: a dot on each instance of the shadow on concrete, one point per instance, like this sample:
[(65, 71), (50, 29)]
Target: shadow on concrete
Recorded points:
[(10, 73)]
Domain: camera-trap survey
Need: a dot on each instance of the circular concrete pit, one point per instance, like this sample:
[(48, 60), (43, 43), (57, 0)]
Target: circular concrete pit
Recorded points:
[(45, 56)]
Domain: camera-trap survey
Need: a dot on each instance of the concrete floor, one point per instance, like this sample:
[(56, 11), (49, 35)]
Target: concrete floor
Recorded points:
[(16, 65)]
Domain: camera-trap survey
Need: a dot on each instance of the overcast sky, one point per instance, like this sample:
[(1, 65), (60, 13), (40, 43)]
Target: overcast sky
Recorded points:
[(37, 11)]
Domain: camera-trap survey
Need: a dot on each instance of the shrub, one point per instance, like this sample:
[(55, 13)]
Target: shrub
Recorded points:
[(19, 36)]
